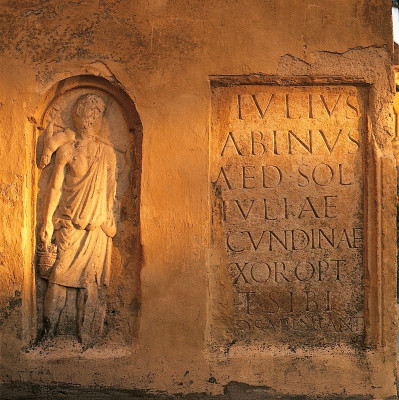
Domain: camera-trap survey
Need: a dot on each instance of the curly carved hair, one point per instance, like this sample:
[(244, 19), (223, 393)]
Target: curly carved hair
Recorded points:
[(89, 106)]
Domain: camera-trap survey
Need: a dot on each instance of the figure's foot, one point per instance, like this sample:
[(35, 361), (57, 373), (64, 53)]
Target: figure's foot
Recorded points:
[(48, 331), (87, 342), (87, 347), (47, 340)]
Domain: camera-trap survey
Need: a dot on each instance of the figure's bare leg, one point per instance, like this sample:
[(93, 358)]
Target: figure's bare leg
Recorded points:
[(90, 315), (80, 305), (54, 302), (101, 310)]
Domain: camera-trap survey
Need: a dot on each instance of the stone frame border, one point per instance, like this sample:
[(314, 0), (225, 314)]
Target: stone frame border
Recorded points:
[(376, 184)]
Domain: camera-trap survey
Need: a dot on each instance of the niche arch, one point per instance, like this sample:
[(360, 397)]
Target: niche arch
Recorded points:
[(122, 129)]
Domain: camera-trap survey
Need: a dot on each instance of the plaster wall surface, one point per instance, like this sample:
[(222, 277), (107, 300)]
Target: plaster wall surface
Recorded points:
[(163, 54)]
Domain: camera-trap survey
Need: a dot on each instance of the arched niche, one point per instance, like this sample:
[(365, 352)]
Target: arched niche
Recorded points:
[(121, 131)]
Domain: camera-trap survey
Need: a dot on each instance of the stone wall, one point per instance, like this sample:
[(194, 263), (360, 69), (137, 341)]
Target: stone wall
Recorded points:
[(180, 65)]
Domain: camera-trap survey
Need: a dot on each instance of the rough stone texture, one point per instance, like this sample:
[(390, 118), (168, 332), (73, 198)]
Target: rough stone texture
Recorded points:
[(164, 54), (232, 391), (287, 170)]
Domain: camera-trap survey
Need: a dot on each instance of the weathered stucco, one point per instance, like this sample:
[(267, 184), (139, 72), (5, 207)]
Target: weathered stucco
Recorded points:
[(163, 54)]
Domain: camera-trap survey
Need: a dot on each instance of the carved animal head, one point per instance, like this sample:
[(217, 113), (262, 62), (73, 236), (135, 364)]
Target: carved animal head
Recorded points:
[(87, 113)]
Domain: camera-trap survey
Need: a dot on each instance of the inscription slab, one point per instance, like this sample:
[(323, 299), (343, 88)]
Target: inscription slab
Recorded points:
[(287, 213)]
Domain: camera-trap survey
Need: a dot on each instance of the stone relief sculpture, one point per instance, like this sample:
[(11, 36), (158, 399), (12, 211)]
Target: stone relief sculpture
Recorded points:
[(78, 217)]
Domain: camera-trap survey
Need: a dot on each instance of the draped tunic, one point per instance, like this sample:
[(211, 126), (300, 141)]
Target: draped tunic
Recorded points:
[(80, 223)]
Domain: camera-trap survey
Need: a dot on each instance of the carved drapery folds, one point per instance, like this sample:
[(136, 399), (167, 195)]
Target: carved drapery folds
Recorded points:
[(87, 212)]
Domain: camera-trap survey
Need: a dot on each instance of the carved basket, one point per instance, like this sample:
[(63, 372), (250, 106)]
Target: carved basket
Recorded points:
[(47, 256)]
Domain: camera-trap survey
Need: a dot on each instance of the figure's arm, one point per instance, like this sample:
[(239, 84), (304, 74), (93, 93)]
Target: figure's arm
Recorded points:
[(53, 197)]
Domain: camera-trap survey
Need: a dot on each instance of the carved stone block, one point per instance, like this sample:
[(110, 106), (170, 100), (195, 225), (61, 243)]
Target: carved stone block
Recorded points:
[(288, 190)]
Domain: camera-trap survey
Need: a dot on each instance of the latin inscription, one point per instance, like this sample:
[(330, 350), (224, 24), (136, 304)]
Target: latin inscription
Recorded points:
[(287, 211)]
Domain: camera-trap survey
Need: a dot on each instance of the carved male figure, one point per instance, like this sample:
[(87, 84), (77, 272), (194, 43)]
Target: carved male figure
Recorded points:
[(78, 209)]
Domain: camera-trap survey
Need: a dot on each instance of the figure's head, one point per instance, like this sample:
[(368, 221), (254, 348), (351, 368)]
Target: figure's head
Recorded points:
[(395, 149), (87, 113)]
